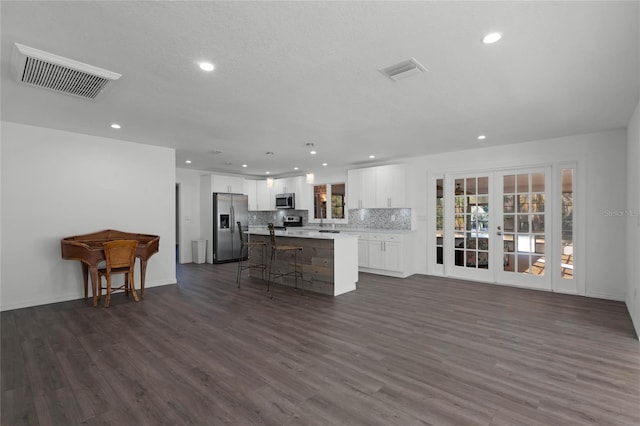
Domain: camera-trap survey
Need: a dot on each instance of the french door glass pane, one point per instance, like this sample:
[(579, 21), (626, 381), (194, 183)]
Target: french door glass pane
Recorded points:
[(439, 221), (566, 259), (509, 184)]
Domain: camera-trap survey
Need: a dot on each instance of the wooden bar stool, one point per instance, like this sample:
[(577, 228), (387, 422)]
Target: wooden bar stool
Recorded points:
[(296, 272), (245, 253)]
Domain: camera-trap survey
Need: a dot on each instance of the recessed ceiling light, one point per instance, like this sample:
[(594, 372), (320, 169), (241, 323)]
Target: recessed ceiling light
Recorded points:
[(116, 126), (372, 156), (324, 164), (244, 165), (296, 168), (313, 153), (491, 38), (481, 137), (267, 173), (188, 161), (206, 66)]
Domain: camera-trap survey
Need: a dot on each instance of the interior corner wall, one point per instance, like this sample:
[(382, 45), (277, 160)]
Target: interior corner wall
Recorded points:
[(632, 214), (57, 184), (189, 219)]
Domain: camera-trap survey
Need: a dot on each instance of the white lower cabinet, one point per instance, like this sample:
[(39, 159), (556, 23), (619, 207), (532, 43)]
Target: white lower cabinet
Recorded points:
[(363, 250), (384, 254)]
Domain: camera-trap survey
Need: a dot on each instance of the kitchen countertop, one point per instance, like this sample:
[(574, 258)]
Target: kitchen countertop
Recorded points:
[(303, 233), (342, 230), (361, 230)]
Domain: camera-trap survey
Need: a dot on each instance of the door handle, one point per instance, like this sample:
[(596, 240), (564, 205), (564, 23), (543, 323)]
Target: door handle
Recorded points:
[(499, 233)]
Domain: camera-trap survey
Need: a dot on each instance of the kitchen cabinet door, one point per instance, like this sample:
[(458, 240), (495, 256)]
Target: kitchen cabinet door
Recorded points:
[(390, 186), (361, 188), (392, 253), (265, 198), (250, 190), (236, 184), (376, 259), (303, 194), (363, 250), (232, 184), (386, 252)]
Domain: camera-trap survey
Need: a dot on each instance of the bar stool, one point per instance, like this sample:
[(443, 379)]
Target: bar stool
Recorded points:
[(245, 252), (275, 248)]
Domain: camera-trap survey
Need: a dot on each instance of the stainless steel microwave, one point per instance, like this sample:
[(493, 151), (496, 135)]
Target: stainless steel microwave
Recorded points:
[(285, 201)]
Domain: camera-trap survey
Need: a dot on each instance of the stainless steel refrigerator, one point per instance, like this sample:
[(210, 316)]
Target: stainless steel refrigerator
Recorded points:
[(227, 210)]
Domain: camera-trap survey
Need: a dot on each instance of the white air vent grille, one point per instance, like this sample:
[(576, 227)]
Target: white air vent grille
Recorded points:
[(403, 69), (42, 69)]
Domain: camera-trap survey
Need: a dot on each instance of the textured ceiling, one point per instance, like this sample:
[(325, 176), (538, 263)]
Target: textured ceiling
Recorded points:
[(290, 73)]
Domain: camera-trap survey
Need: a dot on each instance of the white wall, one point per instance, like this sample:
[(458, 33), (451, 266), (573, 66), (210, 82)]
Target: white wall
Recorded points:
[(632, 215), (57, 184), (600, 187), (189, 181)]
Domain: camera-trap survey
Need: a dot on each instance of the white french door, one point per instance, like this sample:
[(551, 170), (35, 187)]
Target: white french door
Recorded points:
[(495, 227), (523, 228), (469, 240)]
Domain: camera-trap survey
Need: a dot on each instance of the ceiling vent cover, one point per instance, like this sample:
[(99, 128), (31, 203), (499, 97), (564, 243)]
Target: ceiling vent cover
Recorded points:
[(42, 69), (403, 69)]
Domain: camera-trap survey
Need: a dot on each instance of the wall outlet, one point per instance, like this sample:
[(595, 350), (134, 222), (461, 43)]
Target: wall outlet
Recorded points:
[(393, 218), (254, 217), (275, 217)]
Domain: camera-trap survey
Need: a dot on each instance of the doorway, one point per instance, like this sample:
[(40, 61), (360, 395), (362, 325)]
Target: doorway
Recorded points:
[(494, 227)]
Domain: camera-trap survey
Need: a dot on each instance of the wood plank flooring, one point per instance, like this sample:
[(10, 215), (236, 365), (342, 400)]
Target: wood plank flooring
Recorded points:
[(413, 351)]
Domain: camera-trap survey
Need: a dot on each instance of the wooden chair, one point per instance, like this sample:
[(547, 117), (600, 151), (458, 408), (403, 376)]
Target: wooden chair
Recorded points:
[(121, 257), (296, 272), (245, 254)]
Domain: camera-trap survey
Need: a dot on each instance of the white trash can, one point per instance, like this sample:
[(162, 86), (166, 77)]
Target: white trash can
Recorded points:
[(198, 250)]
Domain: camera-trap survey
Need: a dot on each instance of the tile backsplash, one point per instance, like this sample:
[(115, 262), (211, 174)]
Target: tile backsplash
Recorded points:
[(398, 219), (395, 219), (275, 216)]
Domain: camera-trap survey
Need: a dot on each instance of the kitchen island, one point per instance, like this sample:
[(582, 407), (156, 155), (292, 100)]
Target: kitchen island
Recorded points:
[(329, 261)]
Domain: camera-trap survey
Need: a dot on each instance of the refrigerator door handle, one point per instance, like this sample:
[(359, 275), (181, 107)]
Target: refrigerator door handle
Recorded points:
[(233, 219)]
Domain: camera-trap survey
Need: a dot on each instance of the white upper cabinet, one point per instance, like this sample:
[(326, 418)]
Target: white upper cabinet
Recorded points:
[(390, 186), (287, 185), (376, 187), (222, 183), (295, 185), (260, 196), (361, 188), (265, 197)]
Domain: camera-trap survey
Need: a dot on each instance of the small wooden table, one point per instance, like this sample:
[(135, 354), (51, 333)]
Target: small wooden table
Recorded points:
[(88, 249)]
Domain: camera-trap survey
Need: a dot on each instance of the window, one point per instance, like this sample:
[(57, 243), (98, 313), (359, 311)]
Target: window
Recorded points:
[(328, 201)]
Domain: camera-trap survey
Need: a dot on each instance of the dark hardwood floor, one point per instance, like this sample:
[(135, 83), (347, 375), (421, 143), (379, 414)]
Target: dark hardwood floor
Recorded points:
[(422, 350)]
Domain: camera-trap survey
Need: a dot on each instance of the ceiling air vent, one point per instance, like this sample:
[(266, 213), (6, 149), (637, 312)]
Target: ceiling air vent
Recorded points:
[(403, 69), (37, 68)]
